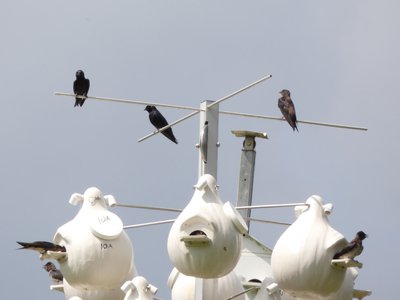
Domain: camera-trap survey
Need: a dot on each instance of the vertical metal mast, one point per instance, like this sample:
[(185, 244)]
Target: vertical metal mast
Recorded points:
[(247, 165), (208, 145), (208, 156)]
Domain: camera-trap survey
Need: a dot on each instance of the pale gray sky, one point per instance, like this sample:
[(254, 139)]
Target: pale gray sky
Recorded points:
[(339, 59)]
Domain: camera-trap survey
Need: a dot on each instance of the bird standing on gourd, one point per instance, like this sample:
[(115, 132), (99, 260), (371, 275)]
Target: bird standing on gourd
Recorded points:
[(353, 249)]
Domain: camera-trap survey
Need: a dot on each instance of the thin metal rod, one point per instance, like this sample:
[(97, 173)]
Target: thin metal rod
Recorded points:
[(242, 293), (211, 105), (333, 125), (299, 121), (196, 109), (131, 101), (272, 206), (149, 224), (239, 91), (149, 207), (238, 207), (168, 126), (266, 221)]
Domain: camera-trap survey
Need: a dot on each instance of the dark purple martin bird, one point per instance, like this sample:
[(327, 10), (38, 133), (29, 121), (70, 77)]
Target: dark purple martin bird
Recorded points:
[(42, 247), (286, 106), (81, 87), (54, 273), (158, 120), (354, 248)]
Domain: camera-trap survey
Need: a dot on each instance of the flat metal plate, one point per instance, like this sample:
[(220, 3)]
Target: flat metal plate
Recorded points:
[(244, 133)]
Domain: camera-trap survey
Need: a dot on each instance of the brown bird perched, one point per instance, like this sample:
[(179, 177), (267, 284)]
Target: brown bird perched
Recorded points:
[(42, 247), (286, 106), (354, 248), (54, 273)]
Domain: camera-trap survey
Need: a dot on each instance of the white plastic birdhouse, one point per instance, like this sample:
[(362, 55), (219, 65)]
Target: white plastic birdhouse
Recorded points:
[(269, 290), (345, 292), (301, 258), (72, 293), (138, 289), (183, 287), (99, 252), (206, 239)]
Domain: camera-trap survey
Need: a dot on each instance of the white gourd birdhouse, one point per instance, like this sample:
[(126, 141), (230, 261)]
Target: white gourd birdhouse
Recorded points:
[(301, 258), (345, 292), (183, 287), (97, 294), (269, 290), (206, 239), (99, 252), (138, 289)]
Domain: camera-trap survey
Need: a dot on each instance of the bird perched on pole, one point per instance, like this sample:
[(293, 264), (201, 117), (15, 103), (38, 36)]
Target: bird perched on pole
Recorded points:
[(286, 106), (54, 273), (158, 120), (81, 87), (42, 247), (353, 249)]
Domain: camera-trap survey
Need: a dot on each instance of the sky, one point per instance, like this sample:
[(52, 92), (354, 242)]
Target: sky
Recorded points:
[(340, 60)]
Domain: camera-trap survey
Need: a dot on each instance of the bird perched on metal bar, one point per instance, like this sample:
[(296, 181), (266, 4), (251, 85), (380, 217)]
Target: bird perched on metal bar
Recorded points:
[(158, 120), (42, 247), (54, 273), (81, 87), (353, 249), (286, 106)]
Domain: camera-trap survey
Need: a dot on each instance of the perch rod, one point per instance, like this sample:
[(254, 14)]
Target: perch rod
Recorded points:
[(196, 110)]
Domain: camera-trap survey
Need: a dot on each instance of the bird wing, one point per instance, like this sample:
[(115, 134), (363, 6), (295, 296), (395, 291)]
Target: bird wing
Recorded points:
[(42, 246), (350, 247), (86, 85), (76, 86), (284, 107), (291, 110), (56, 275), (157, 119)]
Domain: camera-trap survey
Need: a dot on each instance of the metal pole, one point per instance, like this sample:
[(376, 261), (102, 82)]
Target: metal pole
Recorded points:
[(208, 145), (195, 109), (272, 205), (149, 207), (198, 288), (299, 121), (140, 102), (246, 176)]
